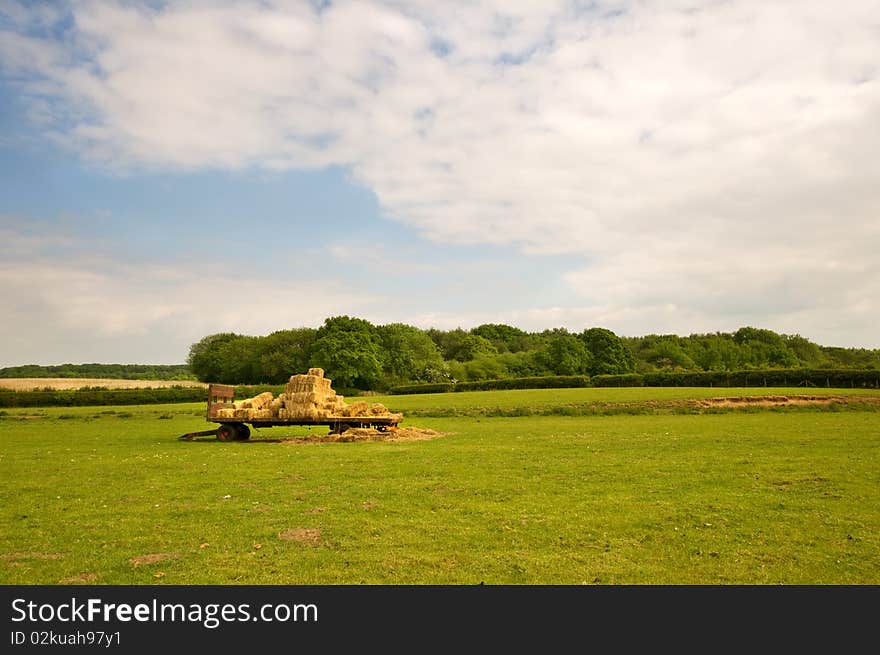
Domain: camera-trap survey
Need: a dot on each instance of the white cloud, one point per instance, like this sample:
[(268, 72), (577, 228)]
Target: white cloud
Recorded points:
[(714, 156), (83, 305)]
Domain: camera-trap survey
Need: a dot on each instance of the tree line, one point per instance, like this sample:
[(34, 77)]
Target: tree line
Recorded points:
[(360, 355)]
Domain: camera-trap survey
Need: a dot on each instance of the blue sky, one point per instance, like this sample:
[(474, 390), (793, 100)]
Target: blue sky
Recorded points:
[(173, 170)]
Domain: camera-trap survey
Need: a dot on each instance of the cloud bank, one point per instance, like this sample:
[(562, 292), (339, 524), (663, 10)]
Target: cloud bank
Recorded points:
[(699, 164)]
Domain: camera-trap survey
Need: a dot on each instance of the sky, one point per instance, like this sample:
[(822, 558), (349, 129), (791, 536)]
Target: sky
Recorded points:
[(170, 170)]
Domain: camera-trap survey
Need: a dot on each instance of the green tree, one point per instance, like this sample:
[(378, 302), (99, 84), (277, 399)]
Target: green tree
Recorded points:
[(348, 350), (609, 354), (206, 358), (460, 345), (409, 355), (285, 353), (666, 352), (565, 354), (505, 338), (485, 367)]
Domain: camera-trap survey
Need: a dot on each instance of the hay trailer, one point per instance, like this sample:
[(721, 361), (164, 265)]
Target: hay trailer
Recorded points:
[(221, 396)]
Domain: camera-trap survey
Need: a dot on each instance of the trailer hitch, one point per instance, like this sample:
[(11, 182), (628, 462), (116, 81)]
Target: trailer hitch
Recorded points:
[(192, 435)]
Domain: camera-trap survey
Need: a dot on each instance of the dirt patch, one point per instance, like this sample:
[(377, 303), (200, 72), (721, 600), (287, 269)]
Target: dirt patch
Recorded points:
[(771, 401), (82, 578), (410, 433), (315, 510), (14, 557), (308, 536), (152, 558)]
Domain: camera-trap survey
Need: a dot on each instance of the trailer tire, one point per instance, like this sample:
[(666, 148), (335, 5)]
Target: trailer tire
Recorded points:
[(227, 432), (243, 432)]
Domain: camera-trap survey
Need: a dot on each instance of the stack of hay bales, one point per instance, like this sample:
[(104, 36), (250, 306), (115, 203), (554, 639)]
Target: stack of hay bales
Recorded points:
[(309, 397), (306, 397)]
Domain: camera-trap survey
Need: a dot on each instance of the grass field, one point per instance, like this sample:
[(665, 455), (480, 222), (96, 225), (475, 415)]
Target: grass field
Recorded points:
[(107, 495), (541, 399)]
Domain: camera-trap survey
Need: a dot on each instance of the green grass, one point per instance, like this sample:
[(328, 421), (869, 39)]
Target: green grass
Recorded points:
[(736, 497), (607, 400), (535, 397)]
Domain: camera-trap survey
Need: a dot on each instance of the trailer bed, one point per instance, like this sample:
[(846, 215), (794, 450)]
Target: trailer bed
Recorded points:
[(221, 396)]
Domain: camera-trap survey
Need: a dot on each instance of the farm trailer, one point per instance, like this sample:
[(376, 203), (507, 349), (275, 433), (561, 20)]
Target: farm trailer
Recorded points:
[(222, 396)]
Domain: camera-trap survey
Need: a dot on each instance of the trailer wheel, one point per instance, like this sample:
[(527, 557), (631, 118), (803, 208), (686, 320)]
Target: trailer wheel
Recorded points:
[(227, 432), (242, 433)]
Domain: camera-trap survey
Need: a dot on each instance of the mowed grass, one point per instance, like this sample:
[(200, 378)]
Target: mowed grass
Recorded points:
[(538, 399), (109, 496)]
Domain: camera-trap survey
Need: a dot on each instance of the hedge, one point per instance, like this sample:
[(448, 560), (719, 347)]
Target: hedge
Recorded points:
[(545, 382), (82, 397), (836, 378)]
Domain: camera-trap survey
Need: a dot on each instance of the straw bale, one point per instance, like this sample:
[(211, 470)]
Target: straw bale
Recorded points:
[(240, 413), (261, 413), (301, 383), (276, 404), (262, 400), (238, 405), (301, 397), (377, 409), (359, 408), (317, 372), (225, 413)]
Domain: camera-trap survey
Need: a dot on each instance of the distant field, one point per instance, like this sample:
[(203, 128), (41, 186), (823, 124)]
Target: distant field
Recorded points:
[(28, 384), (424, 404), (108, 495)]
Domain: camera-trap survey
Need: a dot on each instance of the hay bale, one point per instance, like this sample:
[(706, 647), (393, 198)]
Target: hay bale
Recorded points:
[(378, 409), (240, 413), (303, 397), (317, 372), (262, 400), (359, 408), (226, 413), (276, 404), (303, 383), (261, 413)]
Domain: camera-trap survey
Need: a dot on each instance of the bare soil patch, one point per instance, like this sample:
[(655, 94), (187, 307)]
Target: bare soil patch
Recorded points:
[(152, 558), (308, 536), (411, 433), (772, 401), (67, 384)]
